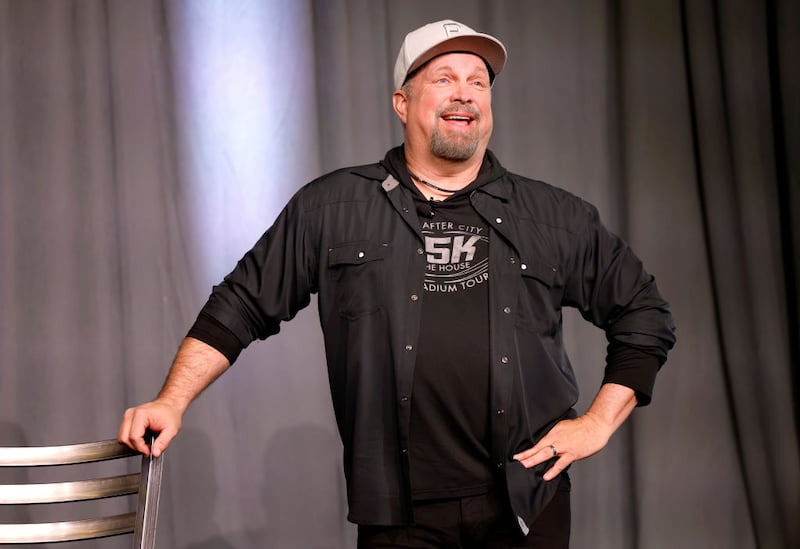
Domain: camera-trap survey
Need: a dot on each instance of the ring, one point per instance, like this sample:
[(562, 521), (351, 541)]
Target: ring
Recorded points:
[(553, 448)]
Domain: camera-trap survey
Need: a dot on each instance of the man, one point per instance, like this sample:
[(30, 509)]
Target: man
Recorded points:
[(441, 278)]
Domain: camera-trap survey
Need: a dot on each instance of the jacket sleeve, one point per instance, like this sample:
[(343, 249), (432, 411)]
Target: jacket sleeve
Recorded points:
[(611, 289), (270, 284)]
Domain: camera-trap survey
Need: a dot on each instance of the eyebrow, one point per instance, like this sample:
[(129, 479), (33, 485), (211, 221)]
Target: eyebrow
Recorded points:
[(448, 68)]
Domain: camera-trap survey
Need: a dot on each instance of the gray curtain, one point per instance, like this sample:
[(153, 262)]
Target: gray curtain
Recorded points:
[(145, 145)]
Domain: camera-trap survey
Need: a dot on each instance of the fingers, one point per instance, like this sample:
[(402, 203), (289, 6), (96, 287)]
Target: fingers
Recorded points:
[(163, 440), (558, 442), (124, 434), (131, 431), (559, 466), (542, 452), (570, 440), (159, 419)]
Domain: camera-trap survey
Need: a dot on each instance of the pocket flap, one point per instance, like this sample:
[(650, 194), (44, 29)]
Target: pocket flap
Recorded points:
[(356, 253), (546, 274)]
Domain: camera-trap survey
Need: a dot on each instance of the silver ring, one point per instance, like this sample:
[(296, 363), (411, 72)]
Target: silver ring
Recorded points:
[(553, 448)]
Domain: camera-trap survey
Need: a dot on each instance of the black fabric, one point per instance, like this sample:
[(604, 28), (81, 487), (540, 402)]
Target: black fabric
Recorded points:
[(475, 522), (353, 236), (210, 331), (632, 368), (449, 435), (625, 364)]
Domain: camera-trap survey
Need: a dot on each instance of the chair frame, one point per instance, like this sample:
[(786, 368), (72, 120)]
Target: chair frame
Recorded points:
[(147, 483)]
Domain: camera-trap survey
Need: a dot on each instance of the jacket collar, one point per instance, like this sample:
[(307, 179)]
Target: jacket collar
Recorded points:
[(371, 171), (490, 177), (499, 188)]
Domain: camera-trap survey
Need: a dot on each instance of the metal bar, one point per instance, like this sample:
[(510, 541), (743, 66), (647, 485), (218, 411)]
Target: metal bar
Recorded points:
[(149, 495), (63, 455), (57, 492), (46, 532)]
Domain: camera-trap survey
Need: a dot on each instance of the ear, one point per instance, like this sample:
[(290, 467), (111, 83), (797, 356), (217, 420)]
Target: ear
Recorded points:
[(400, 104)]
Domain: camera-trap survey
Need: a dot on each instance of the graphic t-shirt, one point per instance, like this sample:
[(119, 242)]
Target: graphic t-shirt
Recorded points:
[(449, 437)]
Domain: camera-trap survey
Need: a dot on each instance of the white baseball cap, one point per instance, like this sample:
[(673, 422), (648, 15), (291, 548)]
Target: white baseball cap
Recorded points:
[(447, 36)]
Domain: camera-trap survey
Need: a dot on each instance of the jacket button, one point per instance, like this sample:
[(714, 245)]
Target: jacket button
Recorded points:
[(504, 359), (498, 220), (414, 297), (409, 347), (360, 255), (507, 310), (404, 399), (420, 251), (404, 450), (501, 412), (523, 267)]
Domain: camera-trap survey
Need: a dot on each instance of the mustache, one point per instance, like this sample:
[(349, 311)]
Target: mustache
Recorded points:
[(460, 108)]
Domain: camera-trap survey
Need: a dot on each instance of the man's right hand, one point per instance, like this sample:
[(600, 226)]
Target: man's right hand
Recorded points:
[(159, 417), (195, 367)]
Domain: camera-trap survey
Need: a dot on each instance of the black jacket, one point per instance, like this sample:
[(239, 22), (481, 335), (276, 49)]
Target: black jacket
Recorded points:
[(353, 237)]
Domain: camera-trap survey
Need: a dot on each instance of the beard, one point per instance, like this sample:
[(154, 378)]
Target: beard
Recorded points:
[(459, 147), (455, 147)]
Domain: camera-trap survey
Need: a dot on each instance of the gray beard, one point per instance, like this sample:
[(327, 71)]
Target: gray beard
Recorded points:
[(453, 148)]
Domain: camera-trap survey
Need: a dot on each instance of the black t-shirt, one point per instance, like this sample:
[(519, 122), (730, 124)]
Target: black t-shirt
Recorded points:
[(449, 437)]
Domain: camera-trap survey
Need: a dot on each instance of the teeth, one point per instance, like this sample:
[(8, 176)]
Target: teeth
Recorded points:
[(457, 118)]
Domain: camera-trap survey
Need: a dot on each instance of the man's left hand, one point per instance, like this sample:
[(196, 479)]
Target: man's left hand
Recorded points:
[(574, 439), (570, 440)]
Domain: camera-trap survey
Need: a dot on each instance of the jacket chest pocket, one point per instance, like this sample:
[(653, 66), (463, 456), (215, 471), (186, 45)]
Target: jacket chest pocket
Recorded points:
[(357, 274), (540, 299)]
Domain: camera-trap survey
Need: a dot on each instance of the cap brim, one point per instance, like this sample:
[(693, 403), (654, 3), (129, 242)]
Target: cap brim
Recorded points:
[(482, 45)]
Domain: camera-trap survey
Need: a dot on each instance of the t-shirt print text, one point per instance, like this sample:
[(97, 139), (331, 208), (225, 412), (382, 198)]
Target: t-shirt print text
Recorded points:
[(457, 256)]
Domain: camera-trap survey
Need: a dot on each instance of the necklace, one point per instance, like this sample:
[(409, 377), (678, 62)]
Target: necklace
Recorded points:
[(431, 185)]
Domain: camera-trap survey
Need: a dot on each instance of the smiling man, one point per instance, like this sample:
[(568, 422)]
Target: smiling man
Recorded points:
[(450, 119), (441, 279)]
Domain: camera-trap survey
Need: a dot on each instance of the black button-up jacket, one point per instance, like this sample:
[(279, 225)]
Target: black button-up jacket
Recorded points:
[(353, 237)]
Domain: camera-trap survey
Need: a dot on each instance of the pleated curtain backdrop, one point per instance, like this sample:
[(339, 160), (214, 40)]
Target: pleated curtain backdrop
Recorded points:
[(144, 146)]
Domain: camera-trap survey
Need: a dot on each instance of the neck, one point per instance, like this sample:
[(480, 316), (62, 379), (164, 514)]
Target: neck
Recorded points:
[(433, 192), (443, 176)]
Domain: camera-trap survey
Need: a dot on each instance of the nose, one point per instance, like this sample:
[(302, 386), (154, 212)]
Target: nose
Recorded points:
[(462, 92)]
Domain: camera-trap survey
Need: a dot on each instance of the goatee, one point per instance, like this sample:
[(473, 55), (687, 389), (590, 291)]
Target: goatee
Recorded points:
[(455, 147)]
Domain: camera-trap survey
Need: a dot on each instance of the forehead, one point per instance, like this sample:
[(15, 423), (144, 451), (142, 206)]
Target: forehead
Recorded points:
[(457, 60)]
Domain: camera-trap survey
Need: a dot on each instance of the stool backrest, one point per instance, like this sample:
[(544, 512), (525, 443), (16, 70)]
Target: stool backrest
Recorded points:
[(146, 483)]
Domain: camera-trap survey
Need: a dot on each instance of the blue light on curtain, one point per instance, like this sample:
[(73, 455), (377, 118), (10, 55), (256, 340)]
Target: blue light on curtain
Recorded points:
[(245, 90), (246, 100)]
